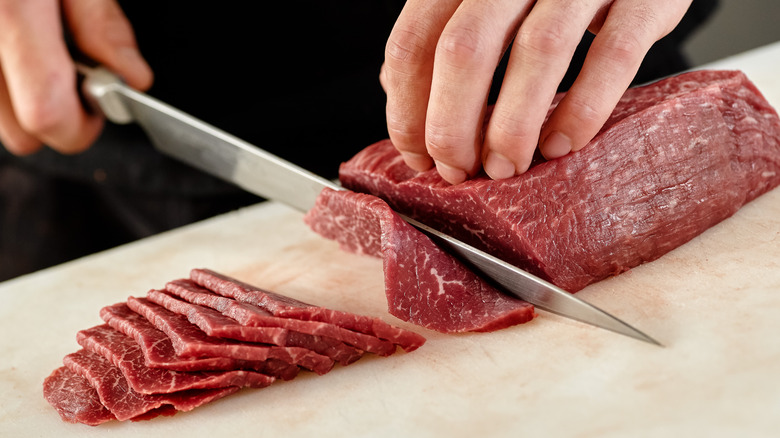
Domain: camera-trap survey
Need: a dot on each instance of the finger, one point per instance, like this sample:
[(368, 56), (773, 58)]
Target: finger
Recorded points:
[(407, 75), (627, 33), (12, 136), (102, 32), (467, 54), (541, 54), (41, 77)]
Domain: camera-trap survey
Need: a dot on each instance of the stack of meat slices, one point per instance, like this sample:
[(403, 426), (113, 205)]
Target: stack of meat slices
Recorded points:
[(200, 339)]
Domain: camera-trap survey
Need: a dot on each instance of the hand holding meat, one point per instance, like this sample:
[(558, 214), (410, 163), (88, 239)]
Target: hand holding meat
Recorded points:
[(441, 57), (39, 103)]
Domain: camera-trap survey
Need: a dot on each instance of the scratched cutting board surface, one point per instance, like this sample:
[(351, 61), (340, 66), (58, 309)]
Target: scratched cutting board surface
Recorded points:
[(714, 303)]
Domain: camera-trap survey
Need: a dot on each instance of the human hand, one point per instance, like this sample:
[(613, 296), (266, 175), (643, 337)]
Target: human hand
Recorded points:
[(39, 103), (441, 57)]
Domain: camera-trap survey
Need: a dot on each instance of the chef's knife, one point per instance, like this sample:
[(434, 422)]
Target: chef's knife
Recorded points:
[(216, 152)]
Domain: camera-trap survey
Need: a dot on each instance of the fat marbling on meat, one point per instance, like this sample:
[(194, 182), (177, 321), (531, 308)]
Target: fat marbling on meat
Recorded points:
[(423, 284), (675, 158)]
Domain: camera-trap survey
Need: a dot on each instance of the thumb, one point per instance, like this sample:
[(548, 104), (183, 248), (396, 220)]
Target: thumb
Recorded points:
[(102, 32)]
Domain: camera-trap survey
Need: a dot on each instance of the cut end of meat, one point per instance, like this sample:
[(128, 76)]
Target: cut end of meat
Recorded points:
[(424, 285)]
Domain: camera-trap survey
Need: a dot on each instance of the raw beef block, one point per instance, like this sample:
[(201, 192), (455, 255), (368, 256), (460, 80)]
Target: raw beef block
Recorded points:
[(216, 324), (190, 341), (286, 307), (158, 348), (116, 395), (251, 315), (124, 353), (675, 158), (423, 284)]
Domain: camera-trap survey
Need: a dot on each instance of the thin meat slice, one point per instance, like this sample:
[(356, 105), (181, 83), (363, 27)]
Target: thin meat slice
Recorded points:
[(423, 284), (252, 315), (675, 158), (150, 358), (74, 398), (286, 307), (159, 352), (125, 403), (216, 324), (190, 341), (124, 353)]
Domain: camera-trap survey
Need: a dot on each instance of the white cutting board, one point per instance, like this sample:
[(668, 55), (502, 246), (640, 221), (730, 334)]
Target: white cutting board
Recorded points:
[(714, 303)]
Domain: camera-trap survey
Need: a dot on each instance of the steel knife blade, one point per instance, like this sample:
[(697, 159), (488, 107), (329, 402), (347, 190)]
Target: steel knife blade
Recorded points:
[(216, 152)]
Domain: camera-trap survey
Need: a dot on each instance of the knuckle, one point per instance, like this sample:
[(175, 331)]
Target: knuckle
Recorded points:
[(508, 128), (43, 114), (442, 143), (40, 117), (643, 17), (586, 111), (463, 45), (406, 49), (631, 39), (547, 38), (623, 46), (404, 137)]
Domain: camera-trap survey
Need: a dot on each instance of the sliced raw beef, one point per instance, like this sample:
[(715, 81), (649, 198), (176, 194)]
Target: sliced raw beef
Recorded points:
[(675, 158), (190, 341), (116, 395), (216, 324), (251, 315), (424, 285), (159, 352), (151, 359), (286, 307), (74, 398), (124, 353)]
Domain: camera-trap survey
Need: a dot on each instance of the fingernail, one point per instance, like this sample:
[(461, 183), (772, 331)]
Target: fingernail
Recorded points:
[(556, 145), (498, 166), (451, 174), (418, 162)]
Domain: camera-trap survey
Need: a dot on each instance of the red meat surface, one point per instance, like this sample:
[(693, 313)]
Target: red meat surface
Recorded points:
[(286, 307), (189, 341), (250, 315), (125, 403), (124, 353), (158, 349), (165, 353), (74, 398), (423, 284), (675, 158), (216, 324)]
